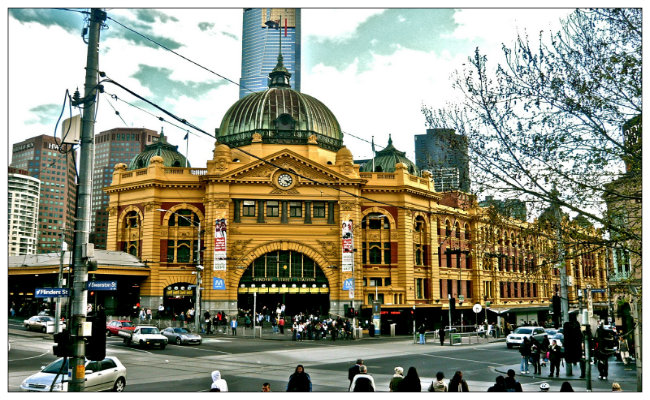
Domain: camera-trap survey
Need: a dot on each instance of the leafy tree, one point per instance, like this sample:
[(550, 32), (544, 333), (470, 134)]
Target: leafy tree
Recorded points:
[(552, 115)]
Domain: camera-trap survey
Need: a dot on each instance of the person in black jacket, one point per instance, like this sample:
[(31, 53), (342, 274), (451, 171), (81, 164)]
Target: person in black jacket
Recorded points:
[(299, 381), (534, 355), (457, 383), (555, 356), (511, 384), (411, 382), (524, 350), (353, 370), (499, 386)]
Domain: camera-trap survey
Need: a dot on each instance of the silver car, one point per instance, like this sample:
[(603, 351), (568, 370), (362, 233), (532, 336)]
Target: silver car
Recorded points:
[(108, 374), (181, 336), (516, 338), (41, 323)]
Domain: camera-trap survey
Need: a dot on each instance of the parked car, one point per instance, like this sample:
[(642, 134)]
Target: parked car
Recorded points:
[(41, 323), (516, 338), (181, 336), (108, 374), (114, 326), (555, 334)]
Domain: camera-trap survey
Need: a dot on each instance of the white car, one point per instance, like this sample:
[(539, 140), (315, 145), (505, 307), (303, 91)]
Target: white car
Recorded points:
[(41, 323), (516, 338), (108, 374)]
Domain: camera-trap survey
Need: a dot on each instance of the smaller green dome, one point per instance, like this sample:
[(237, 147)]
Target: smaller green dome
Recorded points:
[(169, 153), (385, 160)]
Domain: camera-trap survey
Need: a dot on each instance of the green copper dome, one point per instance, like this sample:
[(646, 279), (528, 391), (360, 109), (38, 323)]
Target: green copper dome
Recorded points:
[(169, 153), (385, 160), (280, 115)]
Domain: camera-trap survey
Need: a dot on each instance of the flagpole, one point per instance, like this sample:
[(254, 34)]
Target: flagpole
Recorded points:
[(187, 149)]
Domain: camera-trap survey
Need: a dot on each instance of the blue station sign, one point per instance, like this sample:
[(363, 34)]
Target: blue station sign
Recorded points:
[(218, 284), (348, 284), (598, 290), (101, 285), (51, 292)]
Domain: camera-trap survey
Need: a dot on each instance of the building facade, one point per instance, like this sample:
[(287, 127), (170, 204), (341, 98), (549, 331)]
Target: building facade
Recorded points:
[(23, 191), (444, 153), (282, 213), (53, 164), (118, 145), (263, 30)]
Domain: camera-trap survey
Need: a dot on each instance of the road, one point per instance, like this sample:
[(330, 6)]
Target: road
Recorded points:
[(246, 363)]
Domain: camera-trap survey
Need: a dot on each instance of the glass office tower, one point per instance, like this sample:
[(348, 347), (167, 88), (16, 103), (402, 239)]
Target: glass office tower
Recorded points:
[(264, 29)]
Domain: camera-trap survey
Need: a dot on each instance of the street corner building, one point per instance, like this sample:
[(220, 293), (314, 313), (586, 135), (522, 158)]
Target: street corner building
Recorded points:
[(284, 213)]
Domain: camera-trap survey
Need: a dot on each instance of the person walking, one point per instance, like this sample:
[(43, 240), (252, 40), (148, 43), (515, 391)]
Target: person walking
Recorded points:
[(411, 382), (602, 359), (422, 330), (362, 382), (499, 385), (233, 326), (457, 383), (524, 350), (218, 384), (208, 322), (396, 379), (354, 370), (439, 384), (511, 384), (554, 357), (299, 381), (441, 335), (534, 356), (181, 318), (543, 348), (281, 325), (566, 387), (624, 349)]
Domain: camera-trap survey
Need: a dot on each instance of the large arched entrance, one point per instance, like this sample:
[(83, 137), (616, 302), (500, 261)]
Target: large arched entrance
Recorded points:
[(284, 277)]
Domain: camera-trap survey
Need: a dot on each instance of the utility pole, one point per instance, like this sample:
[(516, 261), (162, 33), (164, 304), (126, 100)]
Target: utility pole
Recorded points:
[(82, 214), (199, 270), (564, 292), (59, 283)]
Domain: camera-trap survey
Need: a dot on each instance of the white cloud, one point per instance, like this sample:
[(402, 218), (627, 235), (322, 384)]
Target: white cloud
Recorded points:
[(334, 24)]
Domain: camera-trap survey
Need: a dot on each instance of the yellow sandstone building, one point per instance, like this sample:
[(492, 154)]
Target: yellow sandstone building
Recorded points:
[(284, 213)]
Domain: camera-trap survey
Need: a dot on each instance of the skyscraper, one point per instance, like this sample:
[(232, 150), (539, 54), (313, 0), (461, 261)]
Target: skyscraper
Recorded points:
[(263, 30), (43, 158), (444, 153), (118, 145), (23, 191)]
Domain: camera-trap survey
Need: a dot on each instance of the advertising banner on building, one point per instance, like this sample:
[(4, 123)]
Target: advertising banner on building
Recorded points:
[(220, 228), (347, 242)]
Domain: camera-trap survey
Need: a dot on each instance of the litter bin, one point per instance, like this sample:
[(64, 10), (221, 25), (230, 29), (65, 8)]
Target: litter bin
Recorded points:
[(456, 338), (392, 330), (358, 333), (258, 332)]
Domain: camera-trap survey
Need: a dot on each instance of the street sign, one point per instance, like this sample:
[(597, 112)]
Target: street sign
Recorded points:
[(101, 285), (51, 292), (218, 284), (477, 308), (348, 284), (598, 290)]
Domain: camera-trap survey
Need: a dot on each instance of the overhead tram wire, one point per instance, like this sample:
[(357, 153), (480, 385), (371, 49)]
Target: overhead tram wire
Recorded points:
[(327, 185), (178, 54)]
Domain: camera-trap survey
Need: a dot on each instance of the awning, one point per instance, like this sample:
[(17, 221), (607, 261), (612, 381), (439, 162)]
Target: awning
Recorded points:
[(499, 310)]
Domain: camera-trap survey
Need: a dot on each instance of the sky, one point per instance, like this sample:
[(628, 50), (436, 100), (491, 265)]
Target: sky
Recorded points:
[(374, 68)]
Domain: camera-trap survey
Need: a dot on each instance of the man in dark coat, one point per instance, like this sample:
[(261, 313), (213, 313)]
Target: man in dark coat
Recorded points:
[(353, 370), (441, 334), (511, 384), (299, 381), (499, 386), (554, 356)]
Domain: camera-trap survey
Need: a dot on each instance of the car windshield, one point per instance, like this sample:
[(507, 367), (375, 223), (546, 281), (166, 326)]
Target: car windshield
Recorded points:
[(46, 319), (55, 367), (127, 324), (181, 330), (523, 331), (149, 331)]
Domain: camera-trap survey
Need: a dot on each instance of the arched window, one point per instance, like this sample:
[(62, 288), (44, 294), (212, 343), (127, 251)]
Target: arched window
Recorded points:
[(376, 247), (468, 235), (447, 228), (419, 241), (131, 233), (183, 217), (131, 220), (457, 229)]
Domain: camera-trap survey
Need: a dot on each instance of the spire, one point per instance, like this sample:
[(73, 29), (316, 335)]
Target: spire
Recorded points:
[(280, 76)]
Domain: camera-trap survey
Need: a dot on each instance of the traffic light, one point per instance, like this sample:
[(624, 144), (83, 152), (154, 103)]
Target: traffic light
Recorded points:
[(350, 312), (96, 343), (452, 304), (62, 344)]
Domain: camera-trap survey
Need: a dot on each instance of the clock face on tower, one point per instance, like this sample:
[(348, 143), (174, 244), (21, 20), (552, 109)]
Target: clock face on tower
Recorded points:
[(285, 180)]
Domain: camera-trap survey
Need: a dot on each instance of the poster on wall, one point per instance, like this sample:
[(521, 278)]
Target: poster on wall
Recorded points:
[(347, 239), (220, 228)]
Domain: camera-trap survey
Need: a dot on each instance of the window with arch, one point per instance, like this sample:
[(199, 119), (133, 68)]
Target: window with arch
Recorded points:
[(183, 217), (131, 233), (468, 235), (457, 230), (447, 228), (183, 236), (376, 239), (419, 240)]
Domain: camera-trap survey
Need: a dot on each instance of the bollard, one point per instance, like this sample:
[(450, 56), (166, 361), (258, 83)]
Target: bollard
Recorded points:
[(392, 330)]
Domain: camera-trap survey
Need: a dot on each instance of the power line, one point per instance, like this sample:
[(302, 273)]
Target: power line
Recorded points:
[(178, 54)]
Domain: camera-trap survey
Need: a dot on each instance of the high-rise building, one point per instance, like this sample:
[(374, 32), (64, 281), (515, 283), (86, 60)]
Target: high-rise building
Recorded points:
[(118, 145), (263, 30), (23, 191), (53, 164), (444, 153)]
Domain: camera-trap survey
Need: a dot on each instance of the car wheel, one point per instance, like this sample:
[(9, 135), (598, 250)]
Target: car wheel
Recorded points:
[(142, 343), (162, 346), (119, 385), (26, 326), (178, 341), (43, 329), (509, 345), (108, 333)]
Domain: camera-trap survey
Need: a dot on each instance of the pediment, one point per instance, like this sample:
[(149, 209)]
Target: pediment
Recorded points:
[(288, 160)]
